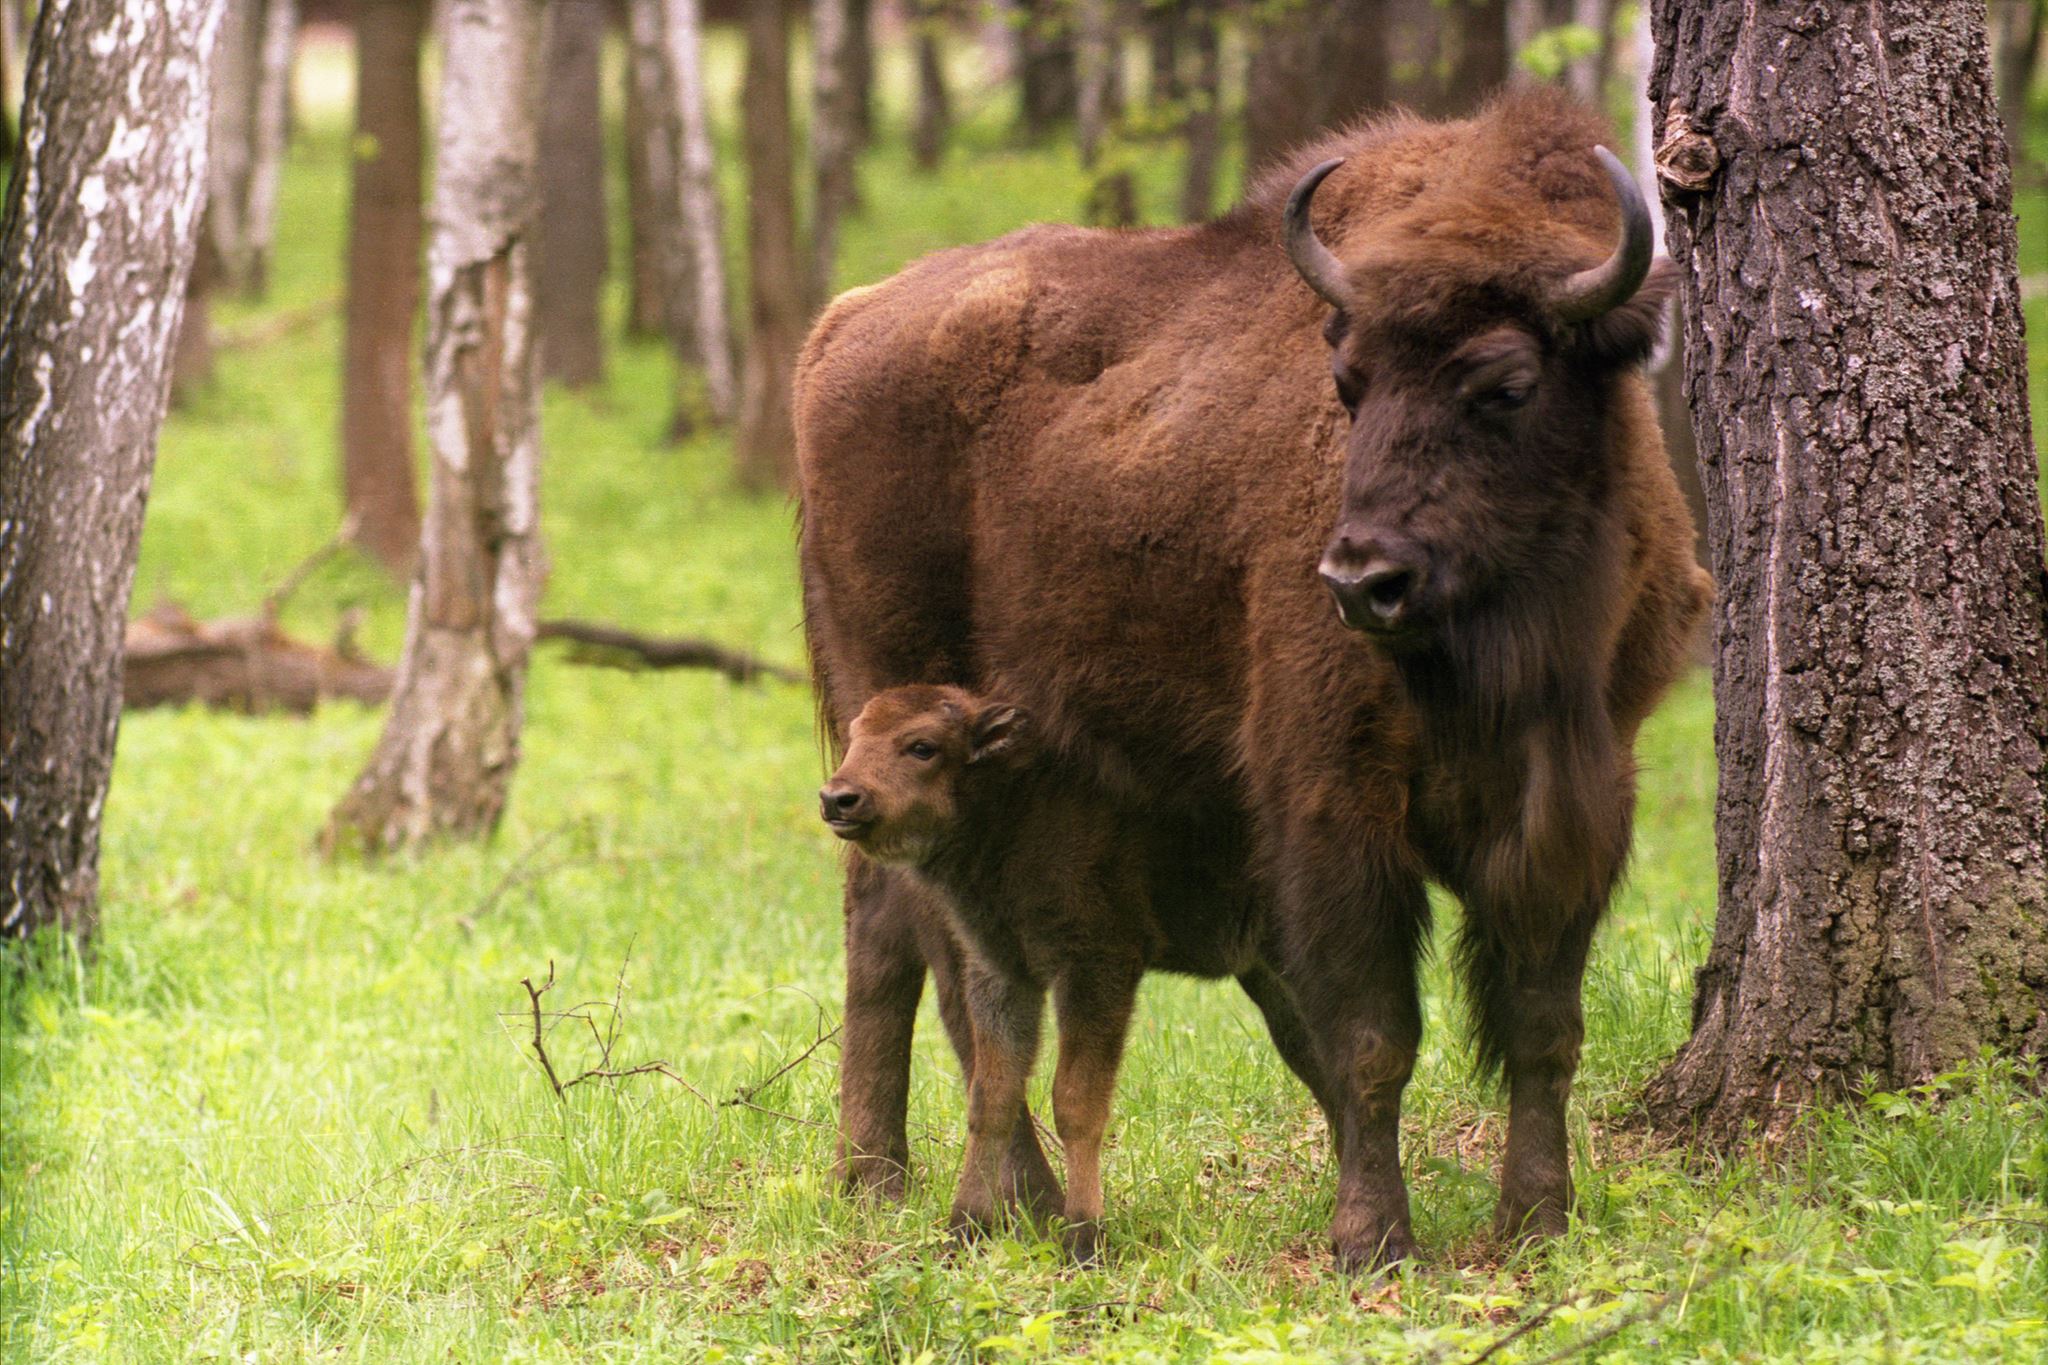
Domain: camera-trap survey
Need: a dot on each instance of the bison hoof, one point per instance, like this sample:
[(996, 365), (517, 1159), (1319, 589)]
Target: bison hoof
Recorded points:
[(1374, 1250), (1083, 1241), (967, 1226), (1031, 1188), (1529, 1220), (881, 1178)]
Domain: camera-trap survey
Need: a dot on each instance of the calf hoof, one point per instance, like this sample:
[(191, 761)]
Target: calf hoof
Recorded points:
[(1373, 1249), (882, 1178), (1083, 1242), (1518, 1219)]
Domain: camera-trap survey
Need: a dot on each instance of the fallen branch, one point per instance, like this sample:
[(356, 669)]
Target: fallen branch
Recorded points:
[(616, 647), (243, 663)]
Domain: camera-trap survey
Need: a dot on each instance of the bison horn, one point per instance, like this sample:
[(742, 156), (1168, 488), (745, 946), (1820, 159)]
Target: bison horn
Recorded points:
[(1317, 263), (1615, 280)]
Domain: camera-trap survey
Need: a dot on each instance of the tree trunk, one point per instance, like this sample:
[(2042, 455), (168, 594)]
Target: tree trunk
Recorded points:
[(1858, 383), (10, 53), (860, 69), (698, 206), (1093, 61), (97, 241), (451, 739), (1164, 32), (192, 352), (1047, 79), (2018, 32), (832, 139), (766, 446), (569, 239), (1205, 112), (1479, 56), (379, 475), (1313, 66), (271, 128), (232, 142), (650, 179), (934, 118)]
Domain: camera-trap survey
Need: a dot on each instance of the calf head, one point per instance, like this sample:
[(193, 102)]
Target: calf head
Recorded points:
[(911, 755), (1475, 349)]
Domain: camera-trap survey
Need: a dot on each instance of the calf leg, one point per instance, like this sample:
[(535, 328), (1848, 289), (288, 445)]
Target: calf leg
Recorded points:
[(1529, 1019), (1094, 1003), (1290, 1036), (884, 978), (1350, 966), (1027, 1181), (1006, 1014)]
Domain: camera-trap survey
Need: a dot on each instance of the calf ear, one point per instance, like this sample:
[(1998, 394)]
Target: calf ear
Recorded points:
[(1626, 335), (998, 731)]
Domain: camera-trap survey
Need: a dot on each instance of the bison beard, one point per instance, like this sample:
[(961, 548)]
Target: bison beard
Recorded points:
[(1109, 477)]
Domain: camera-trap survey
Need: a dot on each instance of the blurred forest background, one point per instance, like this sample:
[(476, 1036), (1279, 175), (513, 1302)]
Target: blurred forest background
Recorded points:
[(285, 1109)]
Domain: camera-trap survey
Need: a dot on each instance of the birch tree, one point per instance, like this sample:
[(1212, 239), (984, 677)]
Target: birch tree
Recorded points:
[(270, 128), (451, 740), (101, 220), (698, 206), (832, 139), (570, 237), (654, 229)]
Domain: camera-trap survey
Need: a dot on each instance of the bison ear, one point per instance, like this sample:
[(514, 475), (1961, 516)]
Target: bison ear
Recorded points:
[(998, 732), (1625, 335)]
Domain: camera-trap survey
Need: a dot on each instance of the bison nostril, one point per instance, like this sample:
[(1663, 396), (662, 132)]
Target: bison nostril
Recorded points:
[(1387, 588)]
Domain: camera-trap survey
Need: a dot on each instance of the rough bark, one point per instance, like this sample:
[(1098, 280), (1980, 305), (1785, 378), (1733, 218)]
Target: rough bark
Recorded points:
[(451, 741), (1840, 202), (1313, 66), (1204, 125), (102, 216), (765, 449), (269, 132), (933, 121), (570, 245), (1048, 83), (698, 206), (379, 475), (650, 179), (832, 139)]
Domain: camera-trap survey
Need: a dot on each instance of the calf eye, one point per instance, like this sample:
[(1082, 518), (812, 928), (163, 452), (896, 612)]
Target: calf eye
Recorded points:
[(923, 750)]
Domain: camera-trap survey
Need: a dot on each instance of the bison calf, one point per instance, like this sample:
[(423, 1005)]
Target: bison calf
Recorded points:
[(1043, 892)]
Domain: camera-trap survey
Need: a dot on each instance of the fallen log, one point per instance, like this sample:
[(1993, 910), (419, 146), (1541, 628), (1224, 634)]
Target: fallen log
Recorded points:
[(615, 647)]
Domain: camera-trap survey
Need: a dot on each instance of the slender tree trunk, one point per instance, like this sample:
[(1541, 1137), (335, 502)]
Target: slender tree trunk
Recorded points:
[(766, 446), (1480, 57), (379, 476), (232, 149), (934, 118), (2018, 26), (1093, 59), (860, 70), (451, 739), (650, 179), (832, 139), (1047, 79), (570, 246), (192, 352), (698, 207), (102, 216), (1205, 112), (270, 131), (1313, 66), (1164, 35), (1858, 383)]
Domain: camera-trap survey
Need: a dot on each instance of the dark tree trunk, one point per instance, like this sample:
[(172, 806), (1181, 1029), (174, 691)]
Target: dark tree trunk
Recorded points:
[(378, 474), (934, 118), (1313, 66), (1163, 36), (1205, 112), (765, 452), (451, 739), (1048, 81), (832, 139), (1478, 57), (569, 242), (96, 244), (650, 178), (1094, 64), (860, 67), (1858, 383)]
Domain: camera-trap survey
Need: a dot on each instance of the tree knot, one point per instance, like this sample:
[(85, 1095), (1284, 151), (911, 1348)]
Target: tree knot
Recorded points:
[(1687, 160)]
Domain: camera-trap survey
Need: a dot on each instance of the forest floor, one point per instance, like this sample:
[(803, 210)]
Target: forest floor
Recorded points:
[(288, 1110)]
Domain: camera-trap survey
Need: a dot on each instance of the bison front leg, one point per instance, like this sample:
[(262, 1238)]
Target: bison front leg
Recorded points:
[(1006, 1012), (1350, 965), (1529, 1018), (884, 978), (1094, 1002)]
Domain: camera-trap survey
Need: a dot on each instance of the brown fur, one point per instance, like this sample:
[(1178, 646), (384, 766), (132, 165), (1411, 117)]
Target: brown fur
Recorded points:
[(1094, 472)]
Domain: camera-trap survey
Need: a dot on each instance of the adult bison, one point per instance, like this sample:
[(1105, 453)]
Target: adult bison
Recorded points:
[(1118, 478)]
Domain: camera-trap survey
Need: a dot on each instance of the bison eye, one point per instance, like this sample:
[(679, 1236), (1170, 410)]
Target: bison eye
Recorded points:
[(923, 750), (1507, 397), (1350, 388)]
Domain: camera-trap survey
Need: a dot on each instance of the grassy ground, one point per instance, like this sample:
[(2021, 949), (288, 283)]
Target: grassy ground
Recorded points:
[(287, 1112)]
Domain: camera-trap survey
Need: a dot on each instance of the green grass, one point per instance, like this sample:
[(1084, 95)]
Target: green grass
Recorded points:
[(286, 1112)]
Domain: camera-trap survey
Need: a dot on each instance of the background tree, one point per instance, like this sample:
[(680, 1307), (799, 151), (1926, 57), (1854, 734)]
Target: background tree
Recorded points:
[(1858, 385), (698, 207), (2016, 32), (1313, 66), (270, 128), (10, 53), (833, 137), (570, 236), (765, 448), (654, 230), (451, 739), (1047, 81), (97, 240), (378, 472), (933, 121), (1203, 30)]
